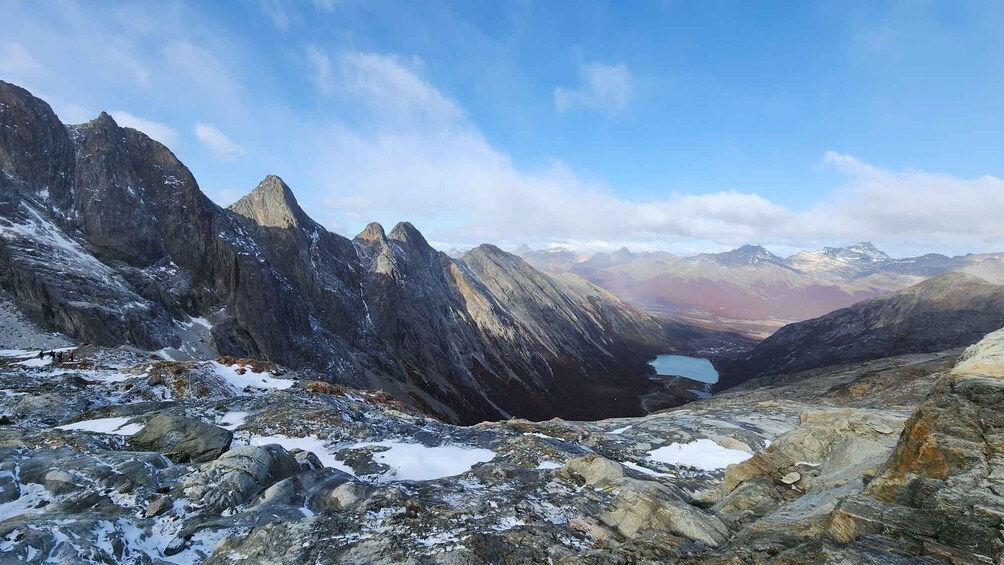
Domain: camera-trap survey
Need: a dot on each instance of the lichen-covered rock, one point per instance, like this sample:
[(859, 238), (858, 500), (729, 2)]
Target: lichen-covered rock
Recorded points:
[(646, 507), (592, 470), (942, 491)]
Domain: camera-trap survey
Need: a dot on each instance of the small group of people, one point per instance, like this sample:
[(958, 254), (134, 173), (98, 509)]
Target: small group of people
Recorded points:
[(57, 356)]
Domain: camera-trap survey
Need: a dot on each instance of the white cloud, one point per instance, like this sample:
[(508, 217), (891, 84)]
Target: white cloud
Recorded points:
[(321, 74), (276, 12), (909, 208), (131, 65), (221, 146), (69, 112), (425, 161), (16, 61), (391, 85), (161, 132), (407, 150), (608, 89), (204, 76)]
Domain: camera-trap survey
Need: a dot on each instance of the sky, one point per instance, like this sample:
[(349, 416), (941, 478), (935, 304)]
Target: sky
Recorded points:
[(671, 125)]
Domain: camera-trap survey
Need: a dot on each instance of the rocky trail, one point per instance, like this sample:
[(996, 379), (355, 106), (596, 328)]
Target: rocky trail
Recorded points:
[(121, 456)]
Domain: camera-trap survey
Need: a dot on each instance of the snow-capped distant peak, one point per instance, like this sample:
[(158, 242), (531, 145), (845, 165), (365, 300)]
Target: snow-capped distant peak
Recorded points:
[(857, 253), (745, 255)]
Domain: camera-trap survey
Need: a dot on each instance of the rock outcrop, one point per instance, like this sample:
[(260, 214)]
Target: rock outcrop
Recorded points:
[(181, 439), (942, 491)]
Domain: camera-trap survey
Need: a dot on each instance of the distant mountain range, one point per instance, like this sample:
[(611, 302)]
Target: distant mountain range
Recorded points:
[(752, 290), (106, 237)]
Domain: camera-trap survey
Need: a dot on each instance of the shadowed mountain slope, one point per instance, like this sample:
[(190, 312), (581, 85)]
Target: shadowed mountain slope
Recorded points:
[(106, 237), (944, 312)]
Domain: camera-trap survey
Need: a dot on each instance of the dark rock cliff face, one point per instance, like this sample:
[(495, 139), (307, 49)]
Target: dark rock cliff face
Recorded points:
[(948, 311), (105, 236)]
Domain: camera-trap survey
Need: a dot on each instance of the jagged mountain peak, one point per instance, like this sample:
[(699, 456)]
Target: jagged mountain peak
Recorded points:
[(867, 248), (272, 204), (273, 185), (407, 234), (487, 250), (863, 251), (104, 119), (746, 255), (372, 232)]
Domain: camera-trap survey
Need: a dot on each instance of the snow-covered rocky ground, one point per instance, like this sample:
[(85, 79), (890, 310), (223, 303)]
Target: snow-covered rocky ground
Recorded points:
[(121, 456)]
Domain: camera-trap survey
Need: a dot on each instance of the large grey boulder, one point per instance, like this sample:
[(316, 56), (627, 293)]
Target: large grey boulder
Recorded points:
[(240, 475), (642, 508), (182, 440)]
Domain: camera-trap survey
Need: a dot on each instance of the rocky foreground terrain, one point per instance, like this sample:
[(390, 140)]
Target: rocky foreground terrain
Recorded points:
[(119, 456)]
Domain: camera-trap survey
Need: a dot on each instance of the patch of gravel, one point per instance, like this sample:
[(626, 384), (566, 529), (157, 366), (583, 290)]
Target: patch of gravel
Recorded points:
[(17, 332)]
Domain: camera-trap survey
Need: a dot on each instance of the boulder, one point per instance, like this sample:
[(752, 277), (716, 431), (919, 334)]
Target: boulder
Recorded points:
[(159, 506), (182, 440), (239, 475), (591, 470), (647, 507), (642, 508)]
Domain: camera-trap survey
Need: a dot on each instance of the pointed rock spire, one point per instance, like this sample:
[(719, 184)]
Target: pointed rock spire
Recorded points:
[(408, 235), (273, 205), (372, 232)]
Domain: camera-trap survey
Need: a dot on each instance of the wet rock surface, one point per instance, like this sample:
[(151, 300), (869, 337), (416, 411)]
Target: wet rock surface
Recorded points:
[(888, 462)]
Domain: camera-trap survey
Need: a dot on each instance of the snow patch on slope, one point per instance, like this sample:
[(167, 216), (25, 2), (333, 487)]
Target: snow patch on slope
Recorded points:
[(702, 454)]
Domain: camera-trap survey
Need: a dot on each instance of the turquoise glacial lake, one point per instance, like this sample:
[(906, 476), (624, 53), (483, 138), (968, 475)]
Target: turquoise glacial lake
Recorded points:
[(694, 368)]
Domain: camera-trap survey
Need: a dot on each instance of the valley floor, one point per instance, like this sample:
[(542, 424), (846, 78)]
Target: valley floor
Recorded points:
[(121, 457)]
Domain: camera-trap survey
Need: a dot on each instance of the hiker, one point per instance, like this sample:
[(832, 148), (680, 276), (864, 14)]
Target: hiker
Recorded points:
[(70, 355), (41, 355), (59, 357)]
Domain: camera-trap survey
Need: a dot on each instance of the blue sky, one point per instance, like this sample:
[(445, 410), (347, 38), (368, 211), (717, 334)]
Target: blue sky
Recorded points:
[(686, 126)]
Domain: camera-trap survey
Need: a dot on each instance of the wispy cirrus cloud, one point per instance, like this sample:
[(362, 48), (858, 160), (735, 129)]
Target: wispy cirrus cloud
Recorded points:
[(161, 132), (221, 146), (607, 89), (16, 60)]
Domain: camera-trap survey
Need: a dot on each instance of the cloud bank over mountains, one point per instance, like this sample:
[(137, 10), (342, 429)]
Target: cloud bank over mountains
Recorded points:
[(421, 155), (381, 141)]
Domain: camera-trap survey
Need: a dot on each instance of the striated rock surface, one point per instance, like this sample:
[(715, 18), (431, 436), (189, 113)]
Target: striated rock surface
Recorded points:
[(942, 491), (182, 439)]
